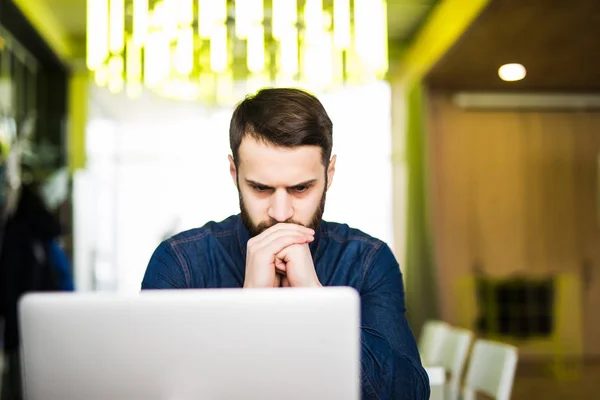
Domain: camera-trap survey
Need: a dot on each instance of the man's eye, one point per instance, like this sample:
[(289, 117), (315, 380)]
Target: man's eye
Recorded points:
[(259, 188), (301, 188)]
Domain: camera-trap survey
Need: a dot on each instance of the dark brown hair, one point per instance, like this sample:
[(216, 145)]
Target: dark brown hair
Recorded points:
[(282, 117)]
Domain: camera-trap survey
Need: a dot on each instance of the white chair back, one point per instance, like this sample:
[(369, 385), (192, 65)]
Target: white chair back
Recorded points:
[(491, 370), (453, 357), (431, 341)]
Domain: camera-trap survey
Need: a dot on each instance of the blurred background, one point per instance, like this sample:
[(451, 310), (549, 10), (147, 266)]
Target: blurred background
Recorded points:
[(467, 135)]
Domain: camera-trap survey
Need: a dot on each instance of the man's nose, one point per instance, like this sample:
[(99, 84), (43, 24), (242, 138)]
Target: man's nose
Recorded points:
[(281, 208)]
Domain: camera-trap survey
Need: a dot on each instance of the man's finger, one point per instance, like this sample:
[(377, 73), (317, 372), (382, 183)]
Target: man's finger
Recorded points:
[(277, 235), (280, 243), (280, 267), (283, 226)]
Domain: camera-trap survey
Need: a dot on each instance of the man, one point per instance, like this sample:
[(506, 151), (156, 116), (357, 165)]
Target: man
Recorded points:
[(281, 163)]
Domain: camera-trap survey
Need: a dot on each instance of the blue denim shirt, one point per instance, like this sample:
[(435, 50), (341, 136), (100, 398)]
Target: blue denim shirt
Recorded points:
[(214, 256)]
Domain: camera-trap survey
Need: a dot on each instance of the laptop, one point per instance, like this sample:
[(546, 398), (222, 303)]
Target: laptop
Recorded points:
[(192, 344)]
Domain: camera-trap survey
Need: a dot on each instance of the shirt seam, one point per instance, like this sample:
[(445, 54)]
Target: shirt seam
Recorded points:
[(224, 233), (188, 239), (368, 263), (373, 242), (183, 264), (199, 236)]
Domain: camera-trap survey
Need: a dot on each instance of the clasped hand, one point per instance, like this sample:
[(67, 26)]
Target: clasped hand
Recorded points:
[(280, 256)]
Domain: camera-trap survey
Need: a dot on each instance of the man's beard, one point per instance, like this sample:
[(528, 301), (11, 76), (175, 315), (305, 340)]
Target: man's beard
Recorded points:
[(255, 230)]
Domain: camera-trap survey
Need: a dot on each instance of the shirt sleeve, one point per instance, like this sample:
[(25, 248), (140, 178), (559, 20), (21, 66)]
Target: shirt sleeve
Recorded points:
[(390, 363), (164, 270)]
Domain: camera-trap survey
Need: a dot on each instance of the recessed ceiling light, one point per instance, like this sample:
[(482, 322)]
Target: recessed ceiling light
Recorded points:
[(512, 72)]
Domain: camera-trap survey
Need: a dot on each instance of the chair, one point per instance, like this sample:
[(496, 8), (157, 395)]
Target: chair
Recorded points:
[(431, 341), (491, 370), (453, 356)]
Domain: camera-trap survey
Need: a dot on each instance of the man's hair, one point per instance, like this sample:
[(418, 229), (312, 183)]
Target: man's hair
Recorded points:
[(282, 117)]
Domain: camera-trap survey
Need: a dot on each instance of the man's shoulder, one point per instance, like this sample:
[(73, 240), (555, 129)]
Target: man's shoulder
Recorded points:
[(181, 261), (211, 229), (344, 234)]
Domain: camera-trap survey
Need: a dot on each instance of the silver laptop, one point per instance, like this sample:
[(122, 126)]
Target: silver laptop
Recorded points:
[(192, 344)]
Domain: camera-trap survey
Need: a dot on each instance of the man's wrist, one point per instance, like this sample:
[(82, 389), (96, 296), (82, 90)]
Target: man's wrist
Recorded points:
[(249, 285)]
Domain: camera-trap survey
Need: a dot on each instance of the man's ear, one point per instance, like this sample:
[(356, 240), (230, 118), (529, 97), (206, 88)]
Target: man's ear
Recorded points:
[(232, 170), (331, 171)]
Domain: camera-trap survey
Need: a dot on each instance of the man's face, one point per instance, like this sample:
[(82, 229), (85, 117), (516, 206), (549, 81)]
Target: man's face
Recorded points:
[(278, 184)]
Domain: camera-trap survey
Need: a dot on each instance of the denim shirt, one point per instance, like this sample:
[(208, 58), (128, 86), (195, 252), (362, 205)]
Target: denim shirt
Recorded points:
[(214, 256)]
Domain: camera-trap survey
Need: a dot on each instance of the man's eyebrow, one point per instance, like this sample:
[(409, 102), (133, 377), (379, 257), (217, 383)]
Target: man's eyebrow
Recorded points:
[(305, 183), (254, 183)]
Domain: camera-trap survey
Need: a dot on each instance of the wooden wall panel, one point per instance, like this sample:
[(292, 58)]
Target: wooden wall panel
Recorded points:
[(517, 192)]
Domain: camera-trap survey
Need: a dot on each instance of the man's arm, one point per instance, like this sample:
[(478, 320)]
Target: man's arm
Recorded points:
[(164, 270), (391, 367)]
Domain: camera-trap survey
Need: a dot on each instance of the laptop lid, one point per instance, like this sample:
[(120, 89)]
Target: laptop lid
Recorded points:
[(192, 344)]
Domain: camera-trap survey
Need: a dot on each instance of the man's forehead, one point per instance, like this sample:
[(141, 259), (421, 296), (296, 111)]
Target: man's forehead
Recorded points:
[(260, 152), (274, 166)]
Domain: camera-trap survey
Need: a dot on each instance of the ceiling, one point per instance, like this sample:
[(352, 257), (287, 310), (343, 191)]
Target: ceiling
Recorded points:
[(557, 41), (404, 17)]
